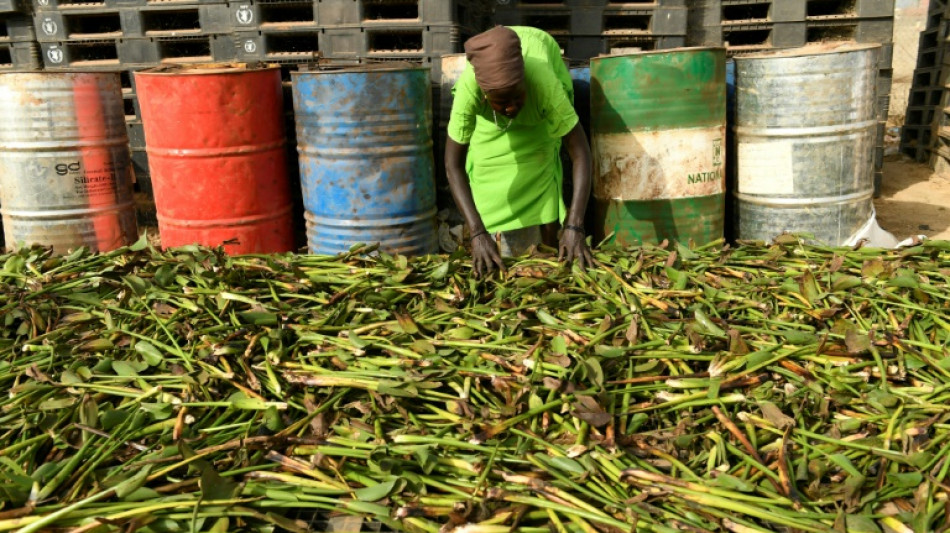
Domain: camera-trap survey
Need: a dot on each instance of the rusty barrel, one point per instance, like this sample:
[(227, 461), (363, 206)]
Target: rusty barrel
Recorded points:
[(366, 168), (805, 134), (658, 129), (216, 151), (65, 169)]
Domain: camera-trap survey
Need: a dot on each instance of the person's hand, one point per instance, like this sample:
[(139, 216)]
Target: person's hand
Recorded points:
[(485, 256), (573, 247)]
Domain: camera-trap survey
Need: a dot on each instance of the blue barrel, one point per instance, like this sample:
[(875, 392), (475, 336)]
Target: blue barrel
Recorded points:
[(366, 167)]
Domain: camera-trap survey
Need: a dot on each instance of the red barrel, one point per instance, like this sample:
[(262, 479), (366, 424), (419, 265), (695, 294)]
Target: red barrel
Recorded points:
[(216, 151)]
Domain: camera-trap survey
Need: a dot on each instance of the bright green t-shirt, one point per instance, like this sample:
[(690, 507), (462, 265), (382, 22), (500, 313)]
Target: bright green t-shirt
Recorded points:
[(515, 169)]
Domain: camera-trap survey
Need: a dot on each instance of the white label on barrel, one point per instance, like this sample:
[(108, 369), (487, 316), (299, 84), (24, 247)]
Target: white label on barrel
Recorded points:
[(659, 165), (765, 168)]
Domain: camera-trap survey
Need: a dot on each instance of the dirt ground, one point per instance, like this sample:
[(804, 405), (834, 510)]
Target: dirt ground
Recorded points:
[(914, 200)]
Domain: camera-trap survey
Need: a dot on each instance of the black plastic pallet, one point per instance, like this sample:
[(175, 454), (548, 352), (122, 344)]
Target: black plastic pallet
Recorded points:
[(54, 5), (620, 21), (127, 53), (16, 27), (916, 142), (14, 6), (583, 48), (152, 21), (555, 20), (301, 44), (19, 56), (862, 31), (612, 19), (754, 36), (598, 3), (253, 15), (136, 134), (758, 11), (475, 14), (925, 96), (391, 42), (834, 9)]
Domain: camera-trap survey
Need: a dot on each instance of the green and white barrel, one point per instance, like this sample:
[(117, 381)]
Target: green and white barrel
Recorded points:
[(658, 125)]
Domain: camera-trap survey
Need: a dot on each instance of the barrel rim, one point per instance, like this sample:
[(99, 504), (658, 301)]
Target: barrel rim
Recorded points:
[(810, 50), (363, 68), (659, 52), (206, 69)]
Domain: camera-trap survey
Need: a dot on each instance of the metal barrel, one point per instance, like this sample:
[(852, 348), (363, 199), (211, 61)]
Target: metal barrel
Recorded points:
[(658, 130), (65, 167), (363, 135), (805, 135), (216, 150)]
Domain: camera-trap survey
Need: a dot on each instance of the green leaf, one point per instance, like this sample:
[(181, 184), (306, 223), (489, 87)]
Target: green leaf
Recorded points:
[(159, 411), (732, 483), (397, 388), (138, 285), (707, 324), (844, 283), (857, 343), (140, 244), (55, 404), (124, 369), (423, 347), (809, 287), (546, 318), (773, 414), (213, 486), (440, 271), (149, 353), (96, 345), (406, 324), (462, 333), (258, 318), (376, 492), (594, 372), (906, 480), (567, 464), (904, 282), (559, 345), (856, 523), (798, 338), (133, 483)]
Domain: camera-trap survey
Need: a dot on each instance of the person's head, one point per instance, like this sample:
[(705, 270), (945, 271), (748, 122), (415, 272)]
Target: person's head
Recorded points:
[(496, 58)]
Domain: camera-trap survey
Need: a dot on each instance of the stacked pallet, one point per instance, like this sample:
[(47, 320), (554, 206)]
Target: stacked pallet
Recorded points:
[(18, 49), (587, 28), (926, 133), (748, 26)]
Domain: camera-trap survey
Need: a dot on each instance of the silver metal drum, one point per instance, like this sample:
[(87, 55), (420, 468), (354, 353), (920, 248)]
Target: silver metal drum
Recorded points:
[(804, 141), (65, 169)]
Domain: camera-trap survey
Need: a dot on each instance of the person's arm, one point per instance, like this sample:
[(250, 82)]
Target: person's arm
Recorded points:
[(573, 245), (485, 256)]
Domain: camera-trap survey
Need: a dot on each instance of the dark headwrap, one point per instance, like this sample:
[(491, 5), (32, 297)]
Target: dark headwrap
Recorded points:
[(495, 56)]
